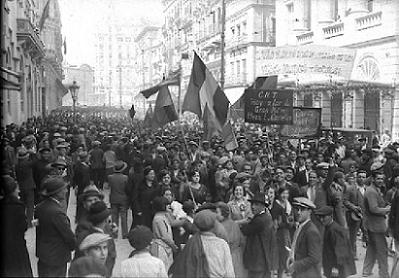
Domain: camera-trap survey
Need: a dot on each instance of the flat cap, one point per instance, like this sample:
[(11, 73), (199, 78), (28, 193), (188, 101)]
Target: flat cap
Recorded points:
[(205, 220), (303, 202), (92, 240), (326, 210)]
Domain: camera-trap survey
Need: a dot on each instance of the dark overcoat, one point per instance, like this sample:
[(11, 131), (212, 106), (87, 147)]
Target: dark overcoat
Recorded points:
[(15, 256), (337, 251), (261, 243), (54, 238)]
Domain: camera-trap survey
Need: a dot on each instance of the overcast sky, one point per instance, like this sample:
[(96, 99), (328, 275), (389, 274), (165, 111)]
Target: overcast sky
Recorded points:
[(81, 17)]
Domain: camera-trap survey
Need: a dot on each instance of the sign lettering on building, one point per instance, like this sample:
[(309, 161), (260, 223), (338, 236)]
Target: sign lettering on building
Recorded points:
[(268, 106), (305, 62)]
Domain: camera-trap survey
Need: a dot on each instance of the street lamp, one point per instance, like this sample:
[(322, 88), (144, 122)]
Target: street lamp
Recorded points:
[(74, 92)]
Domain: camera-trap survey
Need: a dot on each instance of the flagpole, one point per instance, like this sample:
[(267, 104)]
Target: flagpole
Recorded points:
[(222, 37)]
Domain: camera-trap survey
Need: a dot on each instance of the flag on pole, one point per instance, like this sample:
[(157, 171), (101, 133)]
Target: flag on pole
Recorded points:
[(205, 98), (164, 111), (45, 15), (203, 90)]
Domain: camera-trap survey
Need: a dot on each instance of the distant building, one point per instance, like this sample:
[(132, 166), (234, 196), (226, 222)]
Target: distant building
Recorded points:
[(371, 28), (150, 65), (31, 58), (114, 65), (84, 77)]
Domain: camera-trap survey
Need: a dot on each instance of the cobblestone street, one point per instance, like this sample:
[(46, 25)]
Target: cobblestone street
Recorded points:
[(123, 247)]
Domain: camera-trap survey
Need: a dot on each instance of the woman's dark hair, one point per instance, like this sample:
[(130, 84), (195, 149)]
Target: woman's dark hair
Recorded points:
[(159, 204), (224, 209), (166, 188), (147, 170), (237, 184), (280, 191), (163, 173), (192, 173)]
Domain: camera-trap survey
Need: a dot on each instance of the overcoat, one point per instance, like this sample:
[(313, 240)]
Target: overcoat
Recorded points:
[(337, 251), (54, 238), (261, 243), (15, 256)]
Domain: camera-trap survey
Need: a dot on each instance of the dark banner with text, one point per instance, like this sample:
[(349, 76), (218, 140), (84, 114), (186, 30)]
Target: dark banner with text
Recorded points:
[(268, 107), (306, 123)]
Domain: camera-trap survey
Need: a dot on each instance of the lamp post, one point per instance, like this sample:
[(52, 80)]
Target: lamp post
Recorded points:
[(74, 92)]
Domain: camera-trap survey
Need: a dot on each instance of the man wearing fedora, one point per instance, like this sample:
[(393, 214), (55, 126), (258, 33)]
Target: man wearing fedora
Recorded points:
[(118, 195), (261, 241), (54, 238), (305, 254)]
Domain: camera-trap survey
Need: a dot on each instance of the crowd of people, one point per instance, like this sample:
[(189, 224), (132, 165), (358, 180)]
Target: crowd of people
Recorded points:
[(270, 208)]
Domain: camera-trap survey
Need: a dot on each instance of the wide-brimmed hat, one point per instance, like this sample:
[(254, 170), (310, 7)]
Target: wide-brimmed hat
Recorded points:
[(303, 202), (259, 198), (192, 143), (92, 240), (62, 145), (140, 237), (120, 166), (53, 185), (96, 143), (98, 212)]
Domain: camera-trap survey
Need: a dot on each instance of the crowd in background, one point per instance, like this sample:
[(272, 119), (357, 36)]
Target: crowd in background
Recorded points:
[(272, 206)]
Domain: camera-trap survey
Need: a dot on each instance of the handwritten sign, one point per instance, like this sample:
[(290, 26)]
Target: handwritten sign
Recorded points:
[(305, 62), (268, 106), (306, 123)]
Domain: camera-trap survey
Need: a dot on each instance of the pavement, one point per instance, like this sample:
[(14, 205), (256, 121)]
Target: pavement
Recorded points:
[(123, 247)]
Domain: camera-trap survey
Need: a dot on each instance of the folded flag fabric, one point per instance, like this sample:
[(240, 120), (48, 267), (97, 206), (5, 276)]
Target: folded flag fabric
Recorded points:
[(206, 98), (164, 111)]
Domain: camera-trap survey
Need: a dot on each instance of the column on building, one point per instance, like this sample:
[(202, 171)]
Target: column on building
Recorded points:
[(386, 111), (348, 108), (358, 108), (326, 108)]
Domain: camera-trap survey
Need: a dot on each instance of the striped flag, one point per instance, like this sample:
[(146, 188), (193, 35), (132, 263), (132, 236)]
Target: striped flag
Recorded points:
[(203, 90), (205, 98)]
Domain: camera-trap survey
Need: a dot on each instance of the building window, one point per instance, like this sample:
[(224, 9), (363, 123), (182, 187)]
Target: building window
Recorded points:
[(370, 5), (238, 68), (244, 70), (8, 102)]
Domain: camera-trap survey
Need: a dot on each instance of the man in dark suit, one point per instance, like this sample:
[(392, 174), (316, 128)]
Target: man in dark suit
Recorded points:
[(337, 253), (354, 202), (305, 256), (261, 241), (54, 238)]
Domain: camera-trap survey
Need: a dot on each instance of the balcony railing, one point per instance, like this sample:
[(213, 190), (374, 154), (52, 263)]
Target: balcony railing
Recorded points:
[(26, 32), (368, 21), (334, 30), (305, 38), (237, 41)]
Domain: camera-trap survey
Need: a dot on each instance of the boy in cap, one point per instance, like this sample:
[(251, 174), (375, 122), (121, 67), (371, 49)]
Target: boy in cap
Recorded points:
[(95, 245), (140, 262), (260, 239), (337, 254), (305, 254)]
